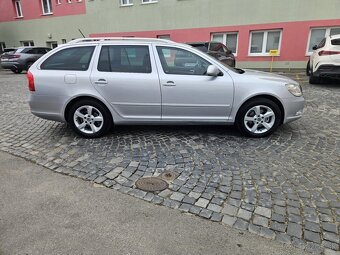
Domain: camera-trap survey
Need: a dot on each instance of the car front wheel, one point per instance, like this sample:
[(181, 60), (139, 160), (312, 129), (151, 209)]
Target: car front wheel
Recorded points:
[(258, 118), (89, 118)]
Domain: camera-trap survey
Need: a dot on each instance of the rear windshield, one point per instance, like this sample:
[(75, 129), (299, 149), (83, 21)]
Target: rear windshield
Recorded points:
[(336, 42), (75, 59)]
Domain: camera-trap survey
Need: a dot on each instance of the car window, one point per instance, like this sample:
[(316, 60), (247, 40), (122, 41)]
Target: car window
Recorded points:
[(216, 47), (75, 58), (183, 62), (40, 51), (201, 47), (335, 42), (125, 59)]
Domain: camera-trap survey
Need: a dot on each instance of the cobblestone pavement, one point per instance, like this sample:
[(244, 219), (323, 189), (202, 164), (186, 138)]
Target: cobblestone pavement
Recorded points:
[(285, 187)]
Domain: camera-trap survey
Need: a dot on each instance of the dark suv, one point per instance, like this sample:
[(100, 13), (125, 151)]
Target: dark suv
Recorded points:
[(217, 50), (22, 58)]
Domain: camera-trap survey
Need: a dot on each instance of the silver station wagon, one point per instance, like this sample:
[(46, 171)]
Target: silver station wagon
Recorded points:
[(95, 83)]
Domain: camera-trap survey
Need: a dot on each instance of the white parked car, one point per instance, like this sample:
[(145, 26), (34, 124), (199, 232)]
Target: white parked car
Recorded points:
[(94, 83), (325, 60)]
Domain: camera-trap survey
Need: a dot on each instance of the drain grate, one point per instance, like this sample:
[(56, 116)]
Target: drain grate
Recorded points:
[(151, 184), (169, 176)]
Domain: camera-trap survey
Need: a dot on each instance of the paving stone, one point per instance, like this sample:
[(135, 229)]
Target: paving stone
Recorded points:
[(312, 226), (215, 208), (278, 226), (205, 213), (299, 243), (294, 229), (312, 236), (244, 214), (283, 238), (230, 210), (330, 252), (266, 212), (314, 248), (330, 245), (202, 202), (267, 233), (260, 221), (229, 220), (189, 200), (241, 224), (216, 217), (334, 238), (254, 229), (177, 196), (330, 227)]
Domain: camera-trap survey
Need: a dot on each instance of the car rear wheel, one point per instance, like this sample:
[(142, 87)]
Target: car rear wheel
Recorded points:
[(16, 70), (258, 118), (89, 118)]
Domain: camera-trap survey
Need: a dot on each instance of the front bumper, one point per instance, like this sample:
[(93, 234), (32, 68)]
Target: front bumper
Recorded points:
[(293, 108), (328, 71)]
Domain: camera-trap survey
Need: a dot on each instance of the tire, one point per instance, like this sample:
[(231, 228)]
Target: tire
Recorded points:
[(15, 70), (28, 65), (258, 124), (82, 117), (313, 79), (308, 68)]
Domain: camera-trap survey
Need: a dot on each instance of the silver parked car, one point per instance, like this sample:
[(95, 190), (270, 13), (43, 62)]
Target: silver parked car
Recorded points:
[(93, 83)]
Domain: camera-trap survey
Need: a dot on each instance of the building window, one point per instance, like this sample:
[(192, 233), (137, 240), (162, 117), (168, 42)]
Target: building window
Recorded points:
[(58, 2), (52, 45), (229, 39), (317, 34), (46, 6), (167, 37), (18, 8), (149, 1), (126, 2), (69, 1), (27, 43), (261, 42), (63, 41)]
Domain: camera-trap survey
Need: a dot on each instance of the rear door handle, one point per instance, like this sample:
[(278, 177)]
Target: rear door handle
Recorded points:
[(169, 84), (101, 81)]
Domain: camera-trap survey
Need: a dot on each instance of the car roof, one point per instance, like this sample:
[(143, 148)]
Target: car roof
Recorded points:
[(97, 40)]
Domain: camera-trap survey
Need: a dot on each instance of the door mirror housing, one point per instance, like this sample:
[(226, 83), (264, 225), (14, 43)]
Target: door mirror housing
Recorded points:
[(315, 47), (213, 71)]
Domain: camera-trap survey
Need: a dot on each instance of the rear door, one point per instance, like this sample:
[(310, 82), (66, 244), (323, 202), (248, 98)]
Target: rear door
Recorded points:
[(126, 76)]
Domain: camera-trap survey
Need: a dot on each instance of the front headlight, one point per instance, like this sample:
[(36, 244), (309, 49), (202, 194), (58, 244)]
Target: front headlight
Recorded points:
[(294, 89)]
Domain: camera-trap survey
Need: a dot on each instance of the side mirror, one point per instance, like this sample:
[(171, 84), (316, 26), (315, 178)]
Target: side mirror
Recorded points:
[(213, 71), (315, 47)]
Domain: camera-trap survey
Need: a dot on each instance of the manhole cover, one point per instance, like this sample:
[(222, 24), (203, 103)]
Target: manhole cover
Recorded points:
[(169, 176), (151, 184)]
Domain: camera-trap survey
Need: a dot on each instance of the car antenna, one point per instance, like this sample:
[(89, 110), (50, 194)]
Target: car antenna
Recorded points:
[(81, 32)]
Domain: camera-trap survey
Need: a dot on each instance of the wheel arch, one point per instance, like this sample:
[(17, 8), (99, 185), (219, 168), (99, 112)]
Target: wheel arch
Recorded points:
[(270, 97), (78, 98)]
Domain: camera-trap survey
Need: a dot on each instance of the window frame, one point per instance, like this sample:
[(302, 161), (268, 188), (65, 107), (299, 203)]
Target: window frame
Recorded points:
[(127, 4), (159, 47), (224, 40), (149, 1), (327, 33), (124, 45), (16, 4), (30, 43), (263, 53), (49, 5), (89, 67)]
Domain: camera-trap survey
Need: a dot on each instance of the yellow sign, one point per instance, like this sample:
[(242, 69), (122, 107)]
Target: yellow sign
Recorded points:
[(273, 52)]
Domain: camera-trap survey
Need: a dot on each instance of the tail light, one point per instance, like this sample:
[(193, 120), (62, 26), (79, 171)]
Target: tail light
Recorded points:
[(30, 79), (328, 52)]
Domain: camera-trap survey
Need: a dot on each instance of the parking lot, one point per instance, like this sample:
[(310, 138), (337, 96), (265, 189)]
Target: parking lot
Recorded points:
[(285, 187)]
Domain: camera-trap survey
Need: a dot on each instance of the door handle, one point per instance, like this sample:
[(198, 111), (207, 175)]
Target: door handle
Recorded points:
[(169, 84), (101, 81)]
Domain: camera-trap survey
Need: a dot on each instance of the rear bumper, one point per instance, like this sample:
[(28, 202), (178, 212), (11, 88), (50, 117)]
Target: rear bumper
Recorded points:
[(327, 71), (11, 65)]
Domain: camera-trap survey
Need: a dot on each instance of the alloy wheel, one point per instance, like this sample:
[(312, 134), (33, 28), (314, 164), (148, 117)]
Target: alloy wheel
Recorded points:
[(88, 119), (259, 119)]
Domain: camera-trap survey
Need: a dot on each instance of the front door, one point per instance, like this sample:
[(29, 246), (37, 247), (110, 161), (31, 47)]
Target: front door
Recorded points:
[(126, 76), (187, 92)]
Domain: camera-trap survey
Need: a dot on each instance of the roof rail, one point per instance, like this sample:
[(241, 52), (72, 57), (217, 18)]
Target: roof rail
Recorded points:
[(103, 39)]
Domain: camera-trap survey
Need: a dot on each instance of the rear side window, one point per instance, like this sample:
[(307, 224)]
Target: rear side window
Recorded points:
[(124, 59), (75, 59), (336, 42)]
